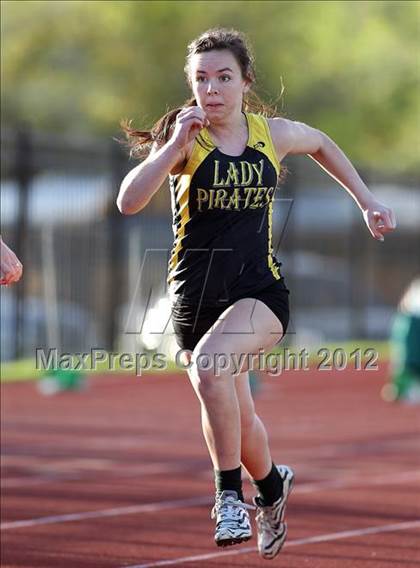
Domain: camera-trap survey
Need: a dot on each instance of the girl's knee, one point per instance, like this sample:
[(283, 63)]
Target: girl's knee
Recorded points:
[(209, 378)]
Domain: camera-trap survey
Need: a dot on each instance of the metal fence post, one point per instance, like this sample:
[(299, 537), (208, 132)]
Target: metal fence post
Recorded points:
[(24, 173), (359, 280), (115, 237)]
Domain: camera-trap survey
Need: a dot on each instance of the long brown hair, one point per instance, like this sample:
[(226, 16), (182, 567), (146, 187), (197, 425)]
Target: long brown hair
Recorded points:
[(216, 38)]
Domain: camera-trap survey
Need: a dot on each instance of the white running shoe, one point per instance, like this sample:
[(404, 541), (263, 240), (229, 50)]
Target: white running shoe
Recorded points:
[(272, 530), (232, 519)]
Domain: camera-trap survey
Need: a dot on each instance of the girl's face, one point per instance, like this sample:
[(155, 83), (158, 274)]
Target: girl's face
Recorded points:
[(217, 83)]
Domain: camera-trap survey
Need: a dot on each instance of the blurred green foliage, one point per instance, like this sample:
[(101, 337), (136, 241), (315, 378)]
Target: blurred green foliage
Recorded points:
[(350, 69)]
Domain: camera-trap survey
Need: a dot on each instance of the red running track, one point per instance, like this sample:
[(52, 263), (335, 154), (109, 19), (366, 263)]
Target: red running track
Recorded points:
[(118, 475)]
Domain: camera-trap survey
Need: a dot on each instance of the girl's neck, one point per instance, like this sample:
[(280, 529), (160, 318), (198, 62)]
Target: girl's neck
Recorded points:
[(230, 128)]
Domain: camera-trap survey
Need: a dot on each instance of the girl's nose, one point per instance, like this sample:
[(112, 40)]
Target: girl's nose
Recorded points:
[(212, 88)]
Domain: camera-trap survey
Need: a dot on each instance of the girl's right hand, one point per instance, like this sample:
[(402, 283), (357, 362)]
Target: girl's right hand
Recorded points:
[(189, 122)]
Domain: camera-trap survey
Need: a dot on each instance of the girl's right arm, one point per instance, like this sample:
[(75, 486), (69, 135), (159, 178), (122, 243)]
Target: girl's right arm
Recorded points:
[(143, 181)]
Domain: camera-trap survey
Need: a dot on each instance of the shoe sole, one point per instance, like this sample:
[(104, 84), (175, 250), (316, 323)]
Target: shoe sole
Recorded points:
[(230, 541)]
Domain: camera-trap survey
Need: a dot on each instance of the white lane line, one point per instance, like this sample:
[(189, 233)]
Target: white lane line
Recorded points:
[(298, 542), (55, 467), (13, 482), (114, 512), (355, 481), (119, 470)]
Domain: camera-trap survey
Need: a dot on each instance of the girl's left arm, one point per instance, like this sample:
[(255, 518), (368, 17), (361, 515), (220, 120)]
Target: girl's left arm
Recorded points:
[(10, 266), (291, 137)]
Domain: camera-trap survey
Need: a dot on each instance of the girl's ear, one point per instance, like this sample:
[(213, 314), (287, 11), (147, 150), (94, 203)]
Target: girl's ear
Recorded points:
[(247, 86)]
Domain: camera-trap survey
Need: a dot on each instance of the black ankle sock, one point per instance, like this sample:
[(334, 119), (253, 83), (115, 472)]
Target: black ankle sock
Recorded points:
[(271, 487), (229, 479)]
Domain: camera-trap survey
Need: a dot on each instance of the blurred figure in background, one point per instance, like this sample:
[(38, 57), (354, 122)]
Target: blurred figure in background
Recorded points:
[(11, 268), (405, 348)]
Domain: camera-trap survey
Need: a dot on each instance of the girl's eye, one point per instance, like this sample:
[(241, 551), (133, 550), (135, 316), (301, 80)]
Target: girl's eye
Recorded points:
[(223, 78)]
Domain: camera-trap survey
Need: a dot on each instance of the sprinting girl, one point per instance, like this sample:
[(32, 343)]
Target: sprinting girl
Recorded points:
[(228, 293)]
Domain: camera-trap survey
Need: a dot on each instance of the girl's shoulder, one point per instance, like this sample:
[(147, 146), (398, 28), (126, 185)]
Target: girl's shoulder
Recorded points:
[(278, 125), (281, 134)]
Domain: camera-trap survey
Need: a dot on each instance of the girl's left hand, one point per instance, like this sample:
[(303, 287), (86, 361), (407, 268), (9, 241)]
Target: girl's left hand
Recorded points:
[(379, 219)]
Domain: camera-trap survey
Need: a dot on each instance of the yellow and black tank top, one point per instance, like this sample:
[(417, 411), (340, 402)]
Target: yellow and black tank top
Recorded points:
[(222, 220)]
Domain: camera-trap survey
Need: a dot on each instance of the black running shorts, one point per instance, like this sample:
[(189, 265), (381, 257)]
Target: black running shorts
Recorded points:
[(189, 328)]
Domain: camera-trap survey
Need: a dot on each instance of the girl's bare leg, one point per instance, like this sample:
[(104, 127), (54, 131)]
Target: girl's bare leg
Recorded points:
[(244, 328), (255, 451)]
